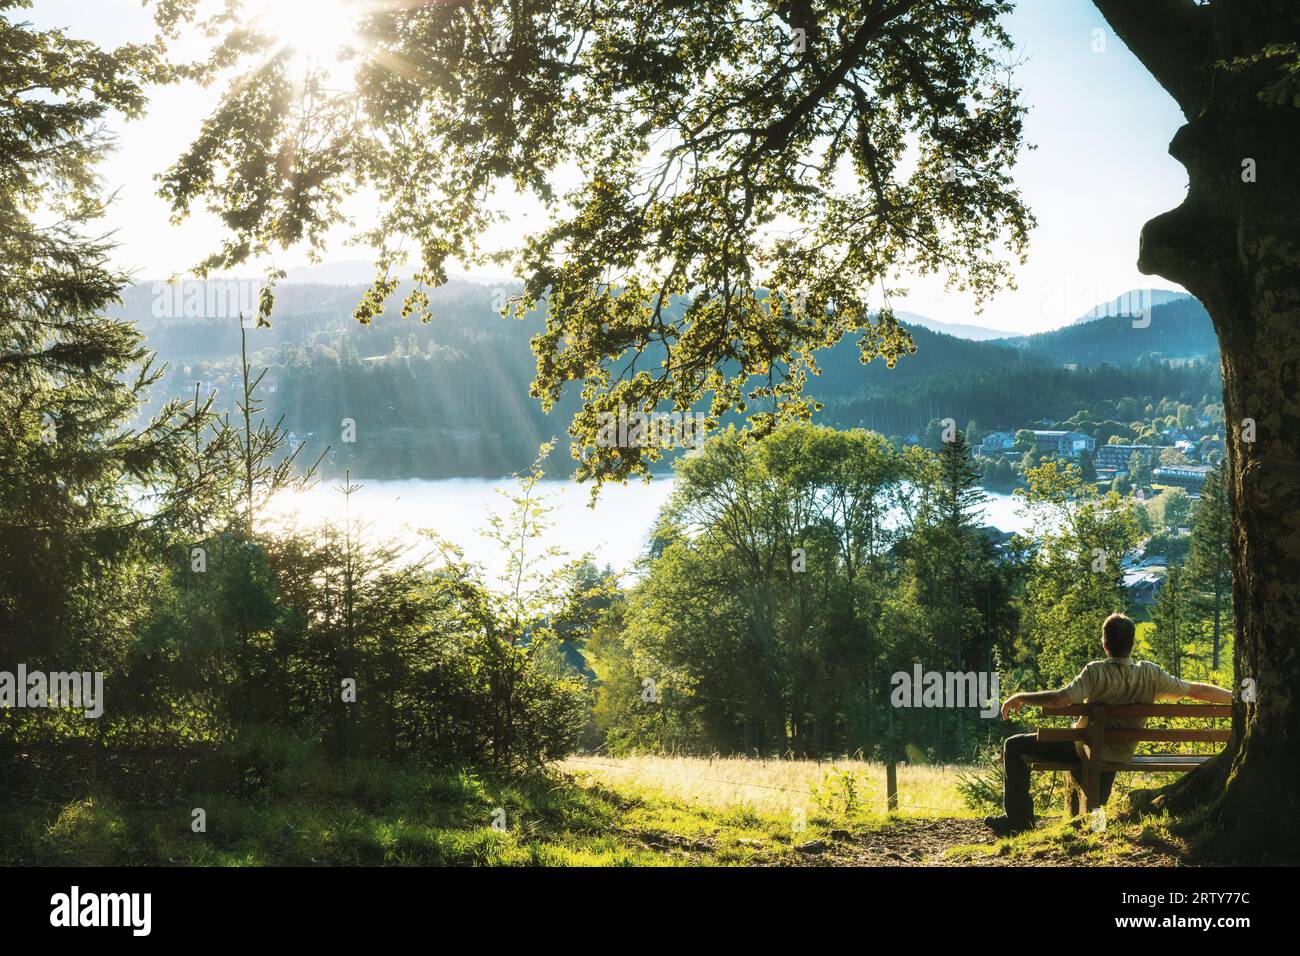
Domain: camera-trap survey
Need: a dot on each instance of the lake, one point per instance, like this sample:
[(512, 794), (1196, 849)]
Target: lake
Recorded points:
[(614, 531)]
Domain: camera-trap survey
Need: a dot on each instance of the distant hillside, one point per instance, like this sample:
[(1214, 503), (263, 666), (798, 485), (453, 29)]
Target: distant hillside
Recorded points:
[(1015, 395), (314, 314), (450, 398), (1178, 329), (936, 354), (1127, 303), (976, 333)]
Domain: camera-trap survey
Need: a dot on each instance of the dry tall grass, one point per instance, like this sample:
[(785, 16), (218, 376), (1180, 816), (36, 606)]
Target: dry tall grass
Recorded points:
[(774, 785)]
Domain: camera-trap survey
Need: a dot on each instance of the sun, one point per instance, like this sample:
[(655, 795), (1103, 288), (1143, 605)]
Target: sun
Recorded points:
[(322, 31)]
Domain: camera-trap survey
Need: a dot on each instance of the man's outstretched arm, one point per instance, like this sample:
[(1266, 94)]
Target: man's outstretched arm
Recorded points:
[(1042, 698), (1208, 693)]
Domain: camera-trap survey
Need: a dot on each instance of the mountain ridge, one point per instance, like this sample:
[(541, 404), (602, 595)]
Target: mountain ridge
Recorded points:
[(450, 398)]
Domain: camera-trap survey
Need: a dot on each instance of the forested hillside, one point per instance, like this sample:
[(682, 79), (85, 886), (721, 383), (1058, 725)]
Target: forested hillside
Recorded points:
[(450, 397), (1177, 329), (444, 398), (1021, 394)]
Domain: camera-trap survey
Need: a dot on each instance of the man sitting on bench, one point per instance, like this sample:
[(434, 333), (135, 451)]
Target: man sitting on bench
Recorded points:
[(1116, 680)]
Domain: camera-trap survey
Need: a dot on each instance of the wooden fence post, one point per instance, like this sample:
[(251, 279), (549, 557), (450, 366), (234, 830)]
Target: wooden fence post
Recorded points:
[(891, 786)]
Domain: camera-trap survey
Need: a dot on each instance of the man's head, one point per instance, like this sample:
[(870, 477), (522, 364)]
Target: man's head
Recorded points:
[(1117, 633)]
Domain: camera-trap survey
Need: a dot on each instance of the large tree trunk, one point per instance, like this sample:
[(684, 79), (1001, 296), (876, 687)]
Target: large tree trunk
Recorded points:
[(1236, 246)]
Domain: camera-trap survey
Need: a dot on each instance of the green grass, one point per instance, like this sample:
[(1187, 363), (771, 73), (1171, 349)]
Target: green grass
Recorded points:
[(776, 786), (367, 813), (359, 814), (1148, 842), (305, 810)]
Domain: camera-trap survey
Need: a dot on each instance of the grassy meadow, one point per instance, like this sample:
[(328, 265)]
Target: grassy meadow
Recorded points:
[(777, 786), (592, 810)]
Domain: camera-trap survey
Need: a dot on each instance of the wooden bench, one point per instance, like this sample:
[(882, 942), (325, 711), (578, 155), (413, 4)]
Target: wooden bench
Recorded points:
[(1097, 733)]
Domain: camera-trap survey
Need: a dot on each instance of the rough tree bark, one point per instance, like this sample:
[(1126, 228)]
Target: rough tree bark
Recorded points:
[(1235, 245)]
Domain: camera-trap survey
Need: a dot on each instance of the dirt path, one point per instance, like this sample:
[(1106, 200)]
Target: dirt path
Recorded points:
[(904, 842), (926, 842)]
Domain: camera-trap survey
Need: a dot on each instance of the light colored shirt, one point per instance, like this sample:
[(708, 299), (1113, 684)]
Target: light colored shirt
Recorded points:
[(1118, 680)]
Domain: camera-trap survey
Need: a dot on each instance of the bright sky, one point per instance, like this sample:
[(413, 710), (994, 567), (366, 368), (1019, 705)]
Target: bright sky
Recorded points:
[(1100, 123)]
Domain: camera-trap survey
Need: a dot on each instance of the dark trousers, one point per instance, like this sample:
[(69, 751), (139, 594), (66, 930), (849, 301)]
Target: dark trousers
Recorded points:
[(1019, 806)]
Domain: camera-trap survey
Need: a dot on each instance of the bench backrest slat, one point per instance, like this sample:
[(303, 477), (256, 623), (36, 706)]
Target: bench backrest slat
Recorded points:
[(1128, 735), (1144, 710)]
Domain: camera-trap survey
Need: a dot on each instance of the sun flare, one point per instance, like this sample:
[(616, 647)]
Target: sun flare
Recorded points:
[(323, 30)]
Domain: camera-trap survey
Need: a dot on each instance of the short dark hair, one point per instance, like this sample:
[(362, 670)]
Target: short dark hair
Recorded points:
[(1117, 633)]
